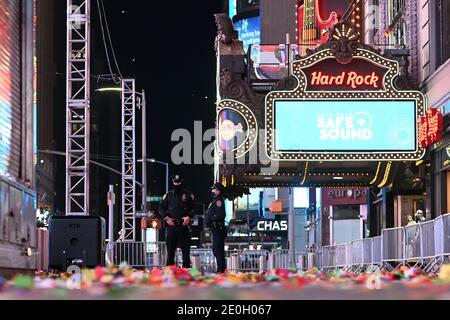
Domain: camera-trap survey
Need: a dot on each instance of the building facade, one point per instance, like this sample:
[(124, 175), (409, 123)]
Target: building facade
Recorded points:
[(417, 34), (17, 135), (413, 33), (434, 81)]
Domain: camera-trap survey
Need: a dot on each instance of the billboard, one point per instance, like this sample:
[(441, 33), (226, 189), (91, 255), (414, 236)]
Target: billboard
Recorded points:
[(346, 125), (249, 31)]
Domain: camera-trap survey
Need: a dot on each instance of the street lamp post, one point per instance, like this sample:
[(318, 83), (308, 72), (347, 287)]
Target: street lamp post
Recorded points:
[(167, 171), (144, 153)]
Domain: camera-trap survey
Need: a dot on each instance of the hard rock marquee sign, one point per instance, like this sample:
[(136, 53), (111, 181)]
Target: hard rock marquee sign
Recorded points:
[(344, 108)]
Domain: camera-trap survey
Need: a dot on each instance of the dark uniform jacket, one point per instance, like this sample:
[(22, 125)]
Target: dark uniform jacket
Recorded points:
[(215, 215), (177, 205)]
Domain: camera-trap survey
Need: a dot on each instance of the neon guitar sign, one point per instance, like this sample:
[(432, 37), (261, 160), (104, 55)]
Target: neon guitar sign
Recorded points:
[(312, 30)]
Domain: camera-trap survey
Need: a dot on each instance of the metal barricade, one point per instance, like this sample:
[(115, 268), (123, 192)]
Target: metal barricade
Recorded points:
[(446, 235), (357, 253), (412, 242), (137, 254), (202, 259), (328, 257), (439, 237), (233, 263), (156, 254), (340, 256), (348, 255), (248, 260), (289, 259), (313, 260), (393, 245), (427, 240), (367, 252), (131, 253), (377, 245)]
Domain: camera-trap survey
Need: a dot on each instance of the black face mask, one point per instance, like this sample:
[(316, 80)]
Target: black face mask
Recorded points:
[(178, 188)]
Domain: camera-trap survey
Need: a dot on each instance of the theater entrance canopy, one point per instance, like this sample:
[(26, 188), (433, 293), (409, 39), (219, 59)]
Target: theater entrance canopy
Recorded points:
[(340, 118)]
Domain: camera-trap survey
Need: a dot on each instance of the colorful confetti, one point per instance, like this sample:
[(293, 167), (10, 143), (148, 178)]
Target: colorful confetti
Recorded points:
[(123, 282)]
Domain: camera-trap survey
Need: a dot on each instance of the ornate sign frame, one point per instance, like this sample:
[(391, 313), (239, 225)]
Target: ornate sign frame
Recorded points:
[(334, 50)]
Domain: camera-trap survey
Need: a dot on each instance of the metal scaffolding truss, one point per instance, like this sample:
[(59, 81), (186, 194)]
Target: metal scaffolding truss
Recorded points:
[(128, 160), (77, 107)]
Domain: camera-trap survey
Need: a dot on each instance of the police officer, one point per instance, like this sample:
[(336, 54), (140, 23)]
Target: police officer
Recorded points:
[(215, 220), (177, 209)]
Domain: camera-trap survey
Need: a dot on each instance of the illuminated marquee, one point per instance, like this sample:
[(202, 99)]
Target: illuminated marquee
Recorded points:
[(350, 106)]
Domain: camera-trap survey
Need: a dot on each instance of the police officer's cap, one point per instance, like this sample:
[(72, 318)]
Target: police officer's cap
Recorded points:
[(218, 186), (177, 179)]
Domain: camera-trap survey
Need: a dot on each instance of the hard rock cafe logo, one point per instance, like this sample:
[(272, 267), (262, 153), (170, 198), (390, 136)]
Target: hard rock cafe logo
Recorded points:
[(351, 79), (228, 130)]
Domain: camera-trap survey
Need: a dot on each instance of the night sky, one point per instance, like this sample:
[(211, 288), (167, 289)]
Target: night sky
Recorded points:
[(168, 47)]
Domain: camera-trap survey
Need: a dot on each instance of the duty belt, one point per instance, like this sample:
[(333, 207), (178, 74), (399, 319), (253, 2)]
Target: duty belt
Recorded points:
[(179, 222), (217, 225)]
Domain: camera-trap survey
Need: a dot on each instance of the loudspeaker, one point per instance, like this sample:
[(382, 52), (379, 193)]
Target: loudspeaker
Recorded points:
[(76, 240)]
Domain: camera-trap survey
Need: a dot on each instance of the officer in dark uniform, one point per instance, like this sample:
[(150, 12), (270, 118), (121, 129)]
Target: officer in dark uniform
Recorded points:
[(177, 209), (215, 220)]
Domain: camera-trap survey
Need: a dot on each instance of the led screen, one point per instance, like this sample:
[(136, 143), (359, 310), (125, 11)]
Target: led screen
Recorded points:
[(249, 31), (232, 9), (351, 125)]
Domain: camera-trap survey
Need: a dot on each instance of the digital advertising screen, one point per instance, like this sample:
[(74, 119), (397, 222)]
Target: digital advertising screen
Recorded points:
[(232, 8), (345, 126), (249, 31)]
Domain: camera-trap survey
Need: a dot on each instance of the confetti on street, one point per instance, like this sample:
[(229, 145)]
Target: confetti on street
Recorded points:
[(280, 284)]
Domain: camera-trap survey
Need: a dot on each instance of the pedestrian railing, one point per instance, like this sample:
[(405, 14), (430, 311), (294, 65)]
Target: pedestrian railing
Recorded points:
[(367, 252), (248, 260), (412, 242), (377, 251), (137, 254), (202, 259), (289, 259), (426, 244), (328, 257)]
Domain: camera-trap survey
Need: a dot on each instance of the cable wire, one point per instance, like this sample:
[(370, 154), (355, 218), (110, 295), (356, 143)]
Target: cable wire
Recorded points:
[(110, 41), (105, 44)]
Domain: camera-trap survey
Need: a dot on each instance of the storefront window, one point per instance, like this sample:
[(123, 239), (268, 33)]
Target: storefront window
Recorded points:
[(346, 223), (346, 212)]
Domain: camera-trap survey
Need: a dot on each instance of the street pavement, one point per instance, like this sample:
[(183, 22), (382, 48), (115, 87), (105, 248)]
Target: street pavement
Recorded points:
[(181, 284)]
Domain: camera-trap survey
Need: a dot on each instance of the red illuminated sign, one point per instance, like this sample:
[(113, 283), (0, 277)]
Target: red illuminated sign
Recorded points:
[(430, 128), (358, 75)]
